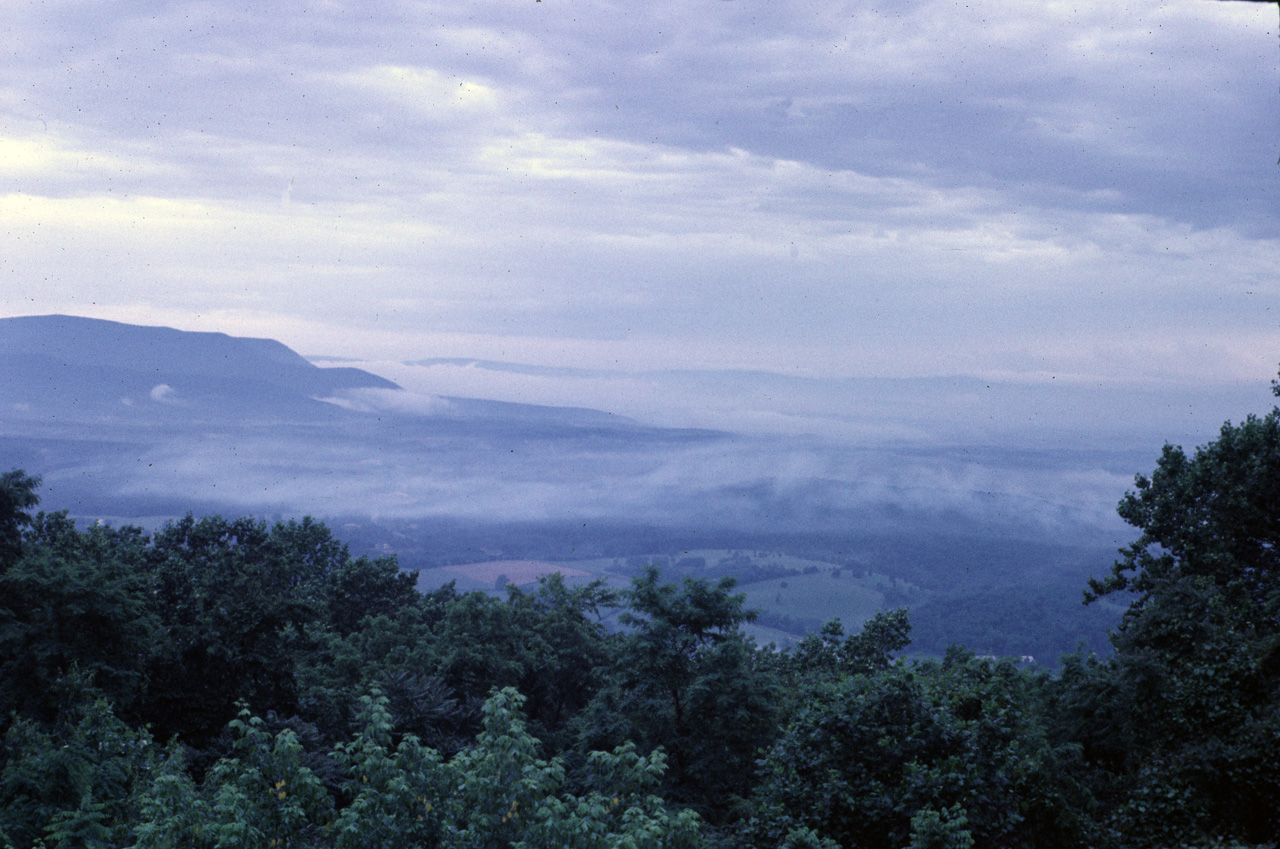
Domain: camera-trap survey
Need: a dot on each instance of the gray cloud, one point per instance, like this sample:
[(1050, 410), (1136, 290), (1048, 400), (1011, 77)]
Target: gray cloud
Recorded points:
[(903, 188)]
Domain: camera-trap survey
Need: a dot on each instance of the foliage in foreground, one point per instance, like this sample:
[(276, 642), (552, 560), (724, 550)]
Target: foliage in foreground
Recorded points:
[(250, 649), (495, 793)]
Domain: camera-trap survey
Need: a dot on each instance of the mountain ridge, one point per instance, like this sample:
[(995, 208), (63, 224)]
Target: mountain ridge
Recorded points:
[(52, 342)]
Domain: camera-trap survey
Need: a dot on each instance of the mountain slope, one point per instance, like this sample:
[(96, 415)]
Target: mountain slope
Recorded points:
[(85, 368)]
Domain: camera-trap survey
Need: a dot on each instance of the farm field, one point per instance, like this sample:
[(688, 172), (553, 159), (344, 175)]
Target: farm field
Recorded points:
[(794, 595), (816, 599), (495, 575)]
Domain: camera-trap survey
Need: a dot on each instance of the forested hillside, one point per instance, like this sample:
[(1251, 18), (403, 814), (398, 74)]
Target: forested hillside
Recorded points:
[(228, 682)]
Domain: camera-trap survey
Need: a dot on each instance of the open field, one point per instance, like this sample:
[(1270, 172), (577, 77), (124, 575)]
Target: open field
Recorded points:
[(493, 575), (518, 572), (797, 595), (817, 598)]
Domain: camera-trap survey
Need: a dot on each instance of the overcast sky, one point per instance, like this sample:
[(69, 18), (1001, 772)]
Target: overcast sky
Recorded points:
[(1083, 191)]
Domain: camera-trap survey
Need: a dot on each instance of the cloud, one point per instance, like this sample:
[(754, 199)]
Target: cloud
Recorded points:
[(1075, 411), (399, 401), (481, 472), (909, 188), (424, 90)]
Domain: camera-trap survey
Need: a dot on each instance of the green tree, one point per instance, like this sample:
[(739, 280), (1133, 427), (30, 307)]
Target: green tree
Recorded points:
[(437, 659), (358, 588), (929, 755), (943, 829), (831, 653), (237, 603), (685, 677), (496, 794), (566, 649), (72, 783), (17, 496), (77, 601), (1197, 667), (396, 655), (396, 792), (262, 795)]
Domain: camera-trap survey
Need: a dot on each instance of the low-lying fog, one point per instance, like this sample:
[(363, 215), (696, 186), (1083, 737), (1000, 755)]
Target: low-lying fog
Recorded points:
[(722, 450), (124, 421), (777, 450)]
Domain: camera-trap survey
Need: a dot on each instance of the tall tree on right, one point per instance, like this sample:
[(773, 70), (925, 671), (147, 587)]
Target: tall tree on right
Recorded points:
[(1192, 697)]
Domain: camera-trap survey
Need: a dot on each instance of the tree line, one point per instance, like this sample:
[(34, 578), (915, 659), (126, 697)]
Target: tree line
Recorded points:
[(230, 683)]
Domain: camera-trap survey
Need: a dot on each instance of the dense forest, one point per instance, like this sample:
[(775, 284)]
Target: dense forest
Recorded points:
[(232, 683)]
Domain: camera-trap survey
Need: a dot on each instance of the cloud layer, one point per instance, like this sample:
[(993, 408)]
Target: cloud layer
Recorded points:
[(907, 188)]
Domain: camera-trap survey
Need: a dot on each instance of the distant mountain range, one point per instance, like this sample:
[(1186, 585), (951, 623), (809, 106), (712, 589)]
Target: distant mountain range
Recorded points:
[(90, 370), (85, 369)]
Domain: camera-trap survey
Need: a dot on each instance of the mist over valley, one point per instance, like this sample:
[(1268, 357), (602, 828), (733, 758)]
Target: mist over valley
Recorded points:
[(947, 495)]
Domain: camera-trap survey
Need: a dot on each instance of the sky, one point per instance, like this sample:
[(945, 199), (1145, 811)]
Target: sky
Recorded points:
[(1082, 192)]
